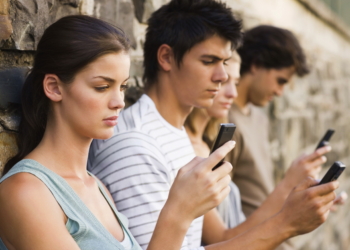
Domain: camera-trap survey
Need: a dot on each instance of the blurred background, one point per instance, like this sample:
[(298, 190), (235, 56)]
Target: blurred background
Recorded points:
[(309, 107)]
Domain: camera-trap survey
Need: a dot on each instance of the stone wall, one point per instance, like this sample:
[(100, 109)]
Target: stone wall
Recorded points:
[(298, 119)]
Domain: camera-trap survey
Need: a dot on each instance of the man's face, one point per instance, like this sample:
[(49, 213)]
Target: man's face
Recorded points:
[(267, 83), (202, 70)]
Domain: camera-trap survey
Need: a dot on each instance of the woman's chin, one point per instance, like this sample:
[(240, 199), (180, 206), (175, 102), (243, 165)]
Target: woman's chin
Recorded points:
[(104, 136)]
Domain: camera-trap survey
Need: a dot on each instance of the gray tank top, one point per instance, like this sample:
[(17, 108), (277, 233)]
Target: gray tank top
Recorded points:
[(82, 225)]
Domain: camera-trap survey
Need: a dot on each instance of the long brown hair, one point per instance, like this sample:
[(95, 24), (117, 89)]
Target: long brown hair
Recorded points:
[(66, 47)]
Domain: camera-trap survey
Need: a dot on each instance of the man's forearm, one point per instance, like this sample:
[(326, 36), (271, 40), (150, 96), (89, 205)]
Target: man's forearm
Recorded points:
[(270, 206), (170, 231), (267, 235)]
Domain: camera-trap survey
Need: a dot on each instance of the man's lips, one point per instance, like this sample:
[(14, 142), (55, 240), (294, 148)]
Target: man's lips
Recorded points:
[(111, 121), (213, 91)]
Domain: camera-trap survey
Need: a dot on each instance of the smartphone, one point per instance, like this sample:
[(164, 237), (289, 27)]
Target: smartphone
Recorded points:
[(325, 139), (333, 173), (225, 134)]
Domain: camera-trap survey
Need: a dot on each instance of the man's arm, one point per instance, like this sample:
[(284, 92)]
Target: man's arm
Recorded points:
[(139, 181), (305, 209)]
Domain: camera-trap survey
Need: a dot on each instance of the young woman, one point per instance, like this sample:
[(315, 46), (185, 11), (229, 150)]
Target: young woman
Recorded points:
[(73, 94)]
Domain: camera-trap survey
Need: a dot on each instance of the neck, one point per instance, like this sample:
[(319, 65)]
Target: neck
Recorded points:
[(242, 100), (243, 91), (167, 103), (63, 151)]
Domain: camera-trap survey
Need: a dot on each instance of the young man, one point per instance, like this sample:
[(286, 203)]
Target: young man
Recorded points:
[(270, 57), (186, 48)]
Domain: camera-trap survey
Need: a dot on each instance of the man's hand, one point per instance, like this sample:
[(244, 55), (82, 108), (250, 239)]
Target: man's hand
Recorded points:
[(197, 189), (339, 201), (308, 206), (304, 166)]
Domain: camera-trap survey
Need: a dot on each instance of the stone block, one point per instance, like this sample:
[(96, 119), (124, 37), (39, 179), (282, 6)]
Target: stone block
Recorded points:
[(9, 121), (32, 17), (5, 27), (119, 13), (8, 147), (4, 7), (143, 9), (11, 81)]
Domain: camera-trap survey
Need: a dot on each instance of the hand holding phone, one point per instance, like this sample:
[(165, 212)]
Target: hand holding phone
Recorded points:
[(333, 173), (325, 139), (225, 134)]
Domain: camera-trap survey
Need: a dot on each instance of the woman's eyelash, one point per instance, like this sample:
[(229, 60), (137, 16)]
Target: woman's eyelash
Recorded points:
[(124, 87), (101, 88)]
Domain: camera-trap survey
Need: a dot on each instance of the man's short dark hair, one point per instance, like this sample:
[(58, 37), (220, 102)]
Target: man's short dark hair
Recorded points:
[(181, 24), (272, 48)]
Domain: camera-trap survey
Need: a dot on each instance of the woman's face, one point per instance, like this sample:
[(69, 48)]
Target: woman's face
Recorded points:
[(227, 93), (91, 103)]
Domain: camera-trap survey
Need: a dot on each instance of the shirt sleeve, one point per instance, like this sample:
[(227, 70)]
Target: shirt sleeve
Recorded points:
[(135, 171)]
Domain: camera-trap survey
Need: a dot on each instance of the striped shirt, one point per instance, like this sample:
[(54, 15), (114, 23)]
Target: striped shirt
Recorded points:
[(139, 164)]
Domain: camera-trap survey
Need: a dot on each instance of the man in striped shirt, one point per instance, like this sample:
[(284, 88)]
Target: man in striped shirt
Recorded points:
[(188, 43)]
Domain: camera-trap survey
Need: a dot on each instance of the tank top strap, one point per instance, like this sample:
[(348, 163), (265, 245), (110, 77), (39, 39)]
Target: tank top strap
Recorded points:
[(55, 183)]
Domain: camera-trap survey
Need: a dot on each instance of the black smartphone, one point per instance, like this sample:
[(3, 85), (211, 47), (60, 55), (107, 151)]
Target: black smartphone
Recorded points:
[(325, 139), (333, 172), (225, 134)]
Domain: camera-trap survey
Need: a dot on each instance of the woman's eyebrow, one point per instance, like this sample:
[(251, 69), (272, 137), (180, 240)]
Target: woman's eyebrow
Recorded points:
[(107, 79), (110, 80)]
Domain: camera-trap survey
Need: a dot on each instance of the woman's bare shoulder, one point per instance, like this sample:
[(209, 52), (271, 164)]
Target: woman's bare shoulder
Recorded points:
[(28, 206), (23, 195)]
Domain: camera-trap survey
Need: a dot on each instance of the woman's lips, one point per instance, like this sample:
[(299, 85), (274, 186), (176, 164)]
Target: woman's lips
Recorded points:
[(111, 121), (226, 105)]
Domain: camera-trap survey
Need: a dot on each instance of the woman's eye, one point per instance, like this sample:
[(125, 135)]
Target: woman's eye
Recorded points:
[(124, 87), (101, 88)]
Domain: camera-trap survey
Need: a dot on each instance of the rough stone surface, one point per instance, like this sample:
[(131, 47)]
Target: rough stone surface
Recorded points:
[(11, 82), (8, 147), (31, 17), (119, 13), (10, 120), (5, 21)]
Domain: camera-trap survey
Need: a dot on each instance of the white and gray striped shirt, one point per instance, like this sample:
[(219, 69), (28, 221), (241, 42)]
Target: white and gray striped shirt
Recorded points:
[(139, 164)]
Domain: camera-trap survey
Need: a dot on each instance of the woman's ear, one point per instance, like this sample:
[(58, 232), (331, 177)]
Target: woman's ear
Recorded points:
[(165, 57), (52, 86)]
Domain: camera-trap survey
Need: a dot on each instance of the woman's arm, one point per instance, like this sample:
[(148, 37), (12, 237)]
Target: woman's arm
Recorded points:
[(31, 217)]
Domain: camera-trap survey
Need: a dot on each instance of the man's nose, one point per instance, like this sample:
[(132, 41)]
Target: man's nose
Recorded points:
[(220, 74)]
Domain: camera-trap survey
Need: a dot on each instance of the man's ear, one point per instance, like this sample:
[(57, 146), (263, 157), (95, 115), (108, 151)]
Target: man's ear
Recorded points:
[(52, 87), (253, 69), (165, 57)]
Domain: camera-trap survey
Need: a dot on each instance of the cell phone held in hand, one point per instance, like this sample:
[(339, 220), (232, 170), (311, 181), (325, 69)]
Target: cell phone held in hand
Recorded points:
[(333, 173), (225, 134), (325, 139)]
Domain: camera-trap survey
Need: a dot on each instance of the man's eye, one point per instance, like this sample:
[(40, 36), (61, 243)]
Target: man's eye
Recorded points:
[(101, 88), (207, 62)]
